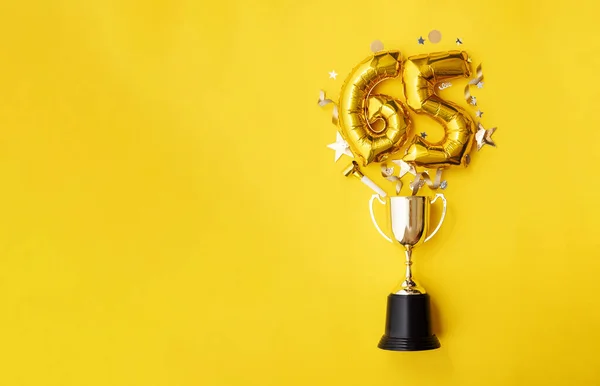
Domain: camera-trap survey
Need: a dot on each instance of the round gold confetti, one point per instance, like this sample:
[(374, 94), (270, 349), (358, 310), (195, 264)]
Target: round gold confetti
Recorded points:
[(435, 36), (376, 46)]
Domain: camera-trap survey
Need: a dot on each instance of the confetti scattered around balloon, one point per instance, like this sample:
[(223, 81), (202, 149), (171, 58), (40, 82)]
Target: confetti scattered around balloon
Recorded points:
[(435, 36), (374, 127)]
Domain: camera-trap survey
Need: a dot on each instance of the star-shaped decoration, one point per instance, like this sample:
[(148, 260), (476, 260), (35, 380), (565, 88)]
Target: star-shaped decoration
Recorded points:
[(473, 101), (423, 135), (340, 146), (479, 113), (484, 137), (459, 41), (469, 60), (480, 85), (405, 168), (421, 40), (333, 75)]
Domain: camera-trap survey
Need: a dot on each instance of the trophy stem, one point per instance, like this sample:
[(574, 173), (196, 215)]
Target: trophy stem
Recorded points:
[(408, 264), (409, 284)]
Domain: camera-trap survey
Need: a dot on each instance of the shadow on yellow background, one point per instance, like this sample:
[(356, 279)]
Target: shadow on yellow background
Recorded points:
[(171, 215)]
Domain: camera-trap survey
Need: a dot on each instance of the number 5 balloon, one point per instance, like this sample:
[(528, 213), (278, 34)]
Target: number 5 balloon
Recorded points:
[(421, 74)]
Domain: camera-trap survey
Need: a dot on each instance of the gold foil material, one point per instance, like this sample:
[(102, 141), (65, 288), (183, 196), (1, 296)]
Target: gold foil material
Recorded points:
[(360, 112), (478, 75), (388, 173), (469, 97), (424, 179), (484, 137), (421, 75), (353, 170), (478, 78), (323, 101)]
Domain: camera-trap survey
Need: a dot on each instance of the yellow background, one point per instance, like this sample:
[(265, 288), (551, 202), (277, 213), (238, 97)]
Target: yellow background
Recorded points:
[(170, 215)]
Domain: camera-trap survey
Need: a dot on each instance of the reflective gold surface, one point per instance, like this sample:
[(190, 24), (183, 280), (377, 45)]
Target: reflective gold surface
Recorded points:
[(373, 125), (408, 285), (409, 219), (353, 170), (421, 74)]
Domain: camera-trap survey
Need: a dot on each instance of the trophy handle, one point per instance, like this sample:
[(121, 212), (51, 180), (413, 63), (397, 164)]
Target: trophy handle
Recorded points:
[(437, 228), (373, 197)]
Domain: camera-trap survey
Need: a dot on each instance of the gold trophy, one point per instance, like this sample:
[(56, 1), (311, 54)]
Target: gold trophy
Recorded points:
[(408, 326)]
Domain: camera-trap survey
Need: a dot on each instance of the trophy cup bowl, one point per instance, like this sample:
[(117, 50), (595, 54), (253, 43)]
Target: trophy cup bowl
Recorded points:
[(408, 323)]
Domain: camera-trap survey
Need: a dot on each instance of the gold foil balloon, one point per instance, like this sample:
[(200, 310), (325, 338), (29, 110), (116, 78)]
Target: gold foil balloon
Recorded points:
[(421, 74), (359, 111)]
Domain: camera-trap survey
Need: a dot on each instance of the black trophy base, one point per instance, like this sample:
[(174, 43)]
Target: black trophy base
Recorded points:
[(408, 324), (408, 344)]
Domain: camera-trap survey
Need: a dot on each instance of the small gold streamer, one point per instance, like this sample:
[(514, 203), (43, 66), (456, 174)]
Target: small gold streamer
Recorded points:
[(324, 101), (471, 100), (423, 179), (388, 173)]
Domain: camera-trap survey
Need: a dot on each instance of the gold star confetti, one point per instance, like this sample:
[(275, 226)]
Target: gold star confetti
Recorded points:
[(484, 137), (333, 75)]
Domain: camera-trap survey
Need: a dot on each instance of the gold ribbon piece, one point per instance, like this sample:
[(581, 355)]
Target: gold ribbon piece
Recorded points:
[(468, 93), (324, 101), (423, 179), (388, 173), (471, 100)]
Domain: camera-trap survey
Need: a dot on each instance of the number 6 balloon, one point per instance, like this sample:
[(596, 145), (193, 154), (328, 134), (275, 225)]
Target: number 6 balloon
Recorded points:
[(359, 111)]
